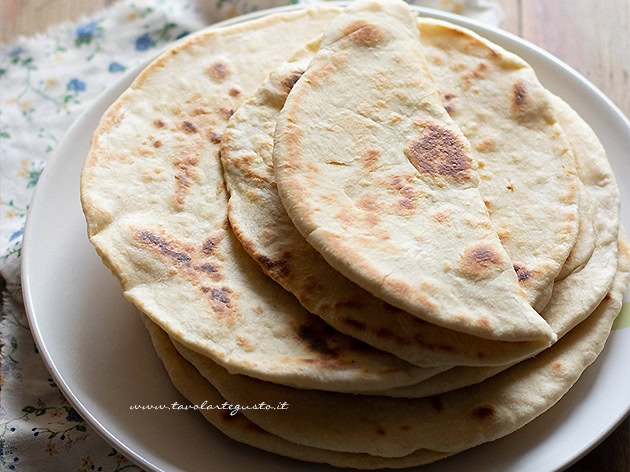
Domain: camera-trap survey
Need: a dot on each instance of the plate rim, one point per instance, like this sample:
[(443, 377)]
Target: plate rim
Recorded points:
[(128, 77)]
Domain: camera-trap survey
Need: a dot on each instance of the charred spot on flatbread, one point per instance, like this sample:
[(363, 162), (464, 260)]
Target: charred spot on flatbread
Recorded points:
[(481, 261), (439, 151), (219, 71), (364, 33)]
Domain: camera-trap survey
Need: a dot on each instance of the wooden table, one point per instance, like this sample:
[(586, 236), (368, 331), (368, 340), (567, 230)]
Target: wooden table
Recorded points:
[(593, 36)]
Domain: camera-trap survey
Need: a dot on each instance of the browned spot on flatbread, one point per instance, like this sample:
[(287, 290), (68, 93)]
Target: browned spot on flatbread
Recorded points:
[(409, 198), (214, 137), (418, 339), (311, 284), (235, 92), (371, 209), (184, 179), (363, 32), (319, 338), (483, 412), (199, 111), (210, 268), (487, 145), (556, 366), (219, 71), (226, 113), (504, 235), (221, 295), (159, 123), (198, 271), (441, 217), (494, 54), (483, 322), (406, 204), (448, 101), (522, 273), (406, 291), (369, 158), (520, 97), (279, 268), (210, 244), (480, 261), (607, 297), (157, 143), (475, 74), (436, 403), (396, 183), (165, 247), (317, 76), (438, 151), (290, 80), (356, 324), (368, 202), (188, 127)]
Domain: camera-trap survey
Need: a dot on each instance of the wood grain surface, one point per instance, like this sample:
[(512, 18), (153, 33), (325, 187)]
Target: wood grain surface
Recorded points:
[(592, 36)]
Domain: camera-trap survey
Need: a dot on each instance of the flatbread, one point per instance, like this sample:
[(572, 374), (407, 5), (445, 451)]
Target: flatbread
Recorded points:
[(263, 227), (265, 230), (578, 294), (358, 173), (154, 198), (199, 391), (450, 422), (526, 168), (585, 242)]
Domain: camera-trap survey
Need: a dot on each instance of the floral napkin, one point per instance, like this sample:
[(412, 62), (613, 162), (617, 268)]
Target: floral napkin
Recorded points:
[(45, 83)]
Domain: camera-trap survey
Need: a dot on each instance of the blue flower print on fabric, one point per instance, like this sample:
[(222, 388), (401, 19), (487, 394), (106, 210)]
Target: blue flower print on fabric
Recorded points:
[(17, 234), (116, 67), (86, 33), (76, 85), (144, 42)]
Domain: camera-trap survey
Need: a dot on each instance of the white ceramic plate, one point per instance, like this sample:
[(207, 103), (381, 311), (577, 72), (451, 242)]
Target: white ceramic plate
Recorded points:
[(100, 355)]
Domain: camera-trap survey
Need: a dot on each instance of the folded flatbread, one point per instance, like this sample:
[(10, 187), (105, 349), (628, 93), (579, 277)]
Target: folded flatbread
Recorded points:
[(379, 179)]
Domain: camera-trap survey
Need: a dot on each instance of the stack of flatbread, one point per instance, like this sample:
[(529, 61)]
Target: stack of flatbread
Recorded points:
[(383, 222)]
